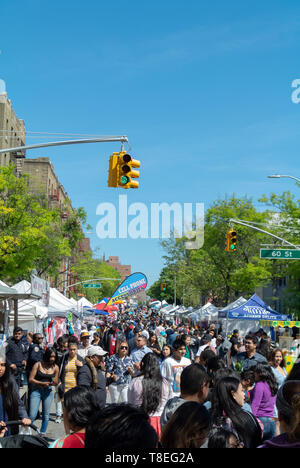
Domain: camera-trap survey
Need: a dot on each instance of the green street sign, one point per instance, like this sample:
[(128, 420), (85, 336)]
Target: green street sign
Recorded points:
[(92, 285), (280, 254)]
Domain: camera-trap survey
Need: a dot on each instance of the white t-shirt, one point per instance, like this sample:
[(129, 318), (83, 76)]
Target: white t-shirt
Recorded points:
[(171, 370), (202, 348)]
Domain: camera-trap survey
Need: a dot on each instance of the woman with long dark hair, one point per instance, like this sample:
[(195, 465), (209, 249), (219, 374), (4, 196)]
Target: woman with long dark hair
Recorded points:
[(228, 398), (153, 344), (263, 398), (11, 406), (187, 428), (43, 377), (150, 390), (278, 365), (80, 405)]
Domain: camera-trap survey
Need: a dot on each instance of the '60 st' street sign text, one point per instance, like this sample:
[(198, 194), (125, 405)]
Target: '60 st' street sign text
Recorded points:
[(280, 254)]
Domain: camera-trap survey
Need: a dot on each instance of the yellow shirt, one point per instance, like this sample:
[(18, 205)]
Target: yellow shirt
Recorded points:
[(71, 372)]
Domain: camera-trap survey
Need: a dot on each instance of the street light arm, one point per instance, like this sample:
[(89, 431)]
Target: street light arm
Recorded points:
[(278, 176)]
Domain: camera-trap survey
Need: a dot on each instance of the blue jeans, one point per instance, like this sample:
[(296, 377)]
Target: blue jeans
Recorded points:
[(38, 395), (269, 427)]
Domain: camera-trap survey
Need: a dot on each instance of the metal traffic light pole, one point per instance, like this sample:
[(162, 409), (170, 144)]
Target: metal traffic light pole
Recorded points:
[(123, 139), (265, 232)]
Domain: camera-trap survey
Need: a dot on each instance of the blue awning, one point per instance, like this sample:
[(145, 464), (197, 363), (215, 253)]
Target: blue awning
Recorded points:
[(254, 309)]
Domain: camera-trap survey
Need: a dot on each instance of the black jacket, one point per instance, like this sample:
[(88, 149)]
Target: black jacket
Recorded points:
[(16, 352), (35, 354), (92, 377)]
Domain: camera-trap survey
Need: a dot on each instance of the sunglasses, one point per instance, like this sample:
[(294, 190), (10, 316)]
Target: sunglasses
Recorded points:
[(123, 347)]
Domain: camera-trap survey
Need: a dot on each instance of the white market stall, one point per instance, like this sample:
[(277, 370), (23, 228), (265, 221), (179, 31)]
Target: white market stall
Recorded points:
[(63, 317), (11, 298), (31, 312)]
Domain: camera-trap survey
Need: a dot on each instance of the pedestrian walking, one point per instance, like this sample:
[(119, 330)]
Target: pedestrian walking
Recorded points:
[(85, 344), (119, 370), (16, 355), (11, 405), (70, 365), (80, 404), (61, 347), (91, 374), (263, 397), (120, 427), (227, 412), (250, 357), (173, 366), (150, 390), (194, 386), (188, 427), (288, 406), (139, 352), (154, 345), (43, 377)]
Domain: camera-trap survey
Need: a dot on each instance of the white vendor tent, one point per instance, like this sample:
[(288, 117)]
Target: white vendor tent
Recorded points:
[(60, 305), (208, 312), (30, 311)]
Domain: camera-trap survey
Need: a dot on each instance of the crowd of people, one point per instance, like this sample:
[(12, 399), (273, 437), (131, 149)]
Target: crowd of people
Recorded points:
[(141, 382)]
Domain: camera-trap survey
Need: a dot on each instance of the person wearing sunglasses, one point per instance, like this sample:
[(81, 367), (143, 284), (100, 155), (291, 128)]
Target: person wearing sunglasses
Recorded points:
[(119, 369)]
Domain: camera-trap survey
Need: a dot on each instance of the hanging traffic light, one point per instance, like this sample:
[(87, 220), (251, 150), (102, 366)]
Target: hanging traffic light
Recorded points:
[(121, 171), (126, 172), (163, 287), (231, 241)]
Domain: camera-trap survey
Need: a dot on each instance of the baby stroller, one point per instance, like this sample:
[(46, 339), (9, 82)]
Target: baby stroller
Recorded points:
[(23, 440)]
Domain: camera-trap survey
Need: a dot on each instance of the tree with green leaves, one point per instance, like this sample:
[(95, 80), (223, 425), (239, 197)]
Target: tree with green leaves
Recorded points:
[(284, 215), (86, 267), (33, 236), (211, 273)]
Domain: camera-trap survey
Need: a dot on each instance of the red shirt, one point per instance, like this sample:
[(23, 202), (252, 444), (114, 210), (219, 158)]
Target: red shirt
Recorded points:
[(76, 440)]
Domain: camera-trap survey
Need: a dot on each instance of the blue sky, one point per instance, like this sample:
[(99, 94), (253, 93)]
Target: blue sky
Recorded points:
[(202, 90)]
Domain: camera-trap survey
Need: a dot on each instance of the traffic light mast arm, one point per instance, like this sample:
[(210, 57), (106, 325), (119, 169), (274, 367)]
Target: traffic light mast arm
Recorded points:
[(265, 232), (93, 279), (122, 139)]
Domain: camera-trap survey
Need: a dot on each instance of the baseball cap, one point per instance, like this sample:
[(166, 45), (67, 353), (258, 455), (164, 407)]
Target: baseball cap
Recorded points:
[(84, 333), (96, 351)]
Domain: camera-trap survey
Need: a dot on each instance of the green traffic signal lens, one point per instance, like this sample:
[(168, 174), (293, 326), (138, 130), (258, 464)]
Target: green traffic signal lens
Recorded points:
[(124, 180), (233, 247)]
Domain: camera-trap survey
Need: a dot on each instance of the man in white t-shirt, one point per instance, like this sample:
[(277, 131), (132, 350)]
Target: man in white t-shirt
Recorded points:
[(173, 366), (204, 343)]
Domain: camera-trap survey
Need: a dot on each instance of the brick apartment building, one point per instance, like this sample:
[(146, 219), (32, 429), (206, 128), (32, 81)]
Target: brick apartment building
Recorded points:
[(42, 177), (124, 270)]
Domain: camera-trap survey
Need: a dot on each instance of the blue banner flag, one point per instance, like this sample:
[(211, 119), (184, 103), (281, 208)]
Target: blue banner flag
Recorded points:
[(132, 285)]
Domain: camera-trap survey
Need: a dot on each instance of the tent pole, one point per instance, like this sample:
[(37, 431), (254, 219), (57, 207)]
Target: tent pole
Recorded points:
[(16, 313)]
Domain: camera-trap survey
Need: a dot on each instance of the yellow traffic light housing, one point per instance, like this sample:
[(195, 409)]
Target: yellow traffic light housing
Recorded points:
[(163, 287), (113, 171), (121, 171), (231, 241), (126, 171)]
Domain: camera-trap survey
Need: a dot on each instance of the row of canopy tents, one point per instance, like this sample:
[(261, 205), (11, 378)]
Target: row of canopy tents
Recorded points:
[(242, 314), (27, 310)]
